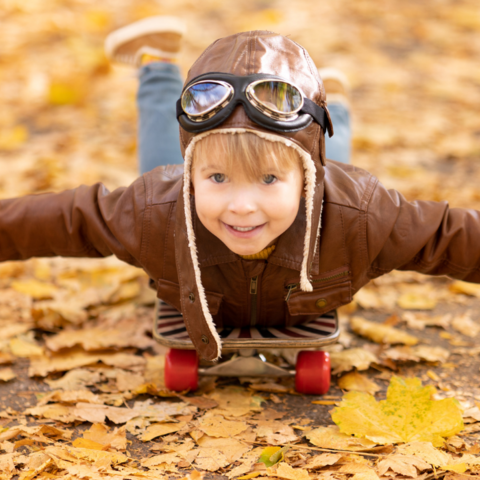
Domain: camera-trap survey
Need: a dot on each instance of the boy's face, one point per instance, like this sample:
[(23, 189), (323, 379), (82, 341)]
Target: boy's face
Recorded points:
[(246, 215)]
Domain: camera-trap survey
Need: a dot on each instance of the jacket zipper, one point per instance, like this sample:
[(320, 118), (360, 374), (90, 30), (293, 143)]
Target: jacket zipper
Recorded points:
[(293, 286), (253, 300)]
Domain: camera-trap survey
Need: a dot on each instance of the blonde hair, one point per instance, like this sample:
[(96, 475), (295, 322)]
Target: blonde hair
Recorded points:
[(246, 153)]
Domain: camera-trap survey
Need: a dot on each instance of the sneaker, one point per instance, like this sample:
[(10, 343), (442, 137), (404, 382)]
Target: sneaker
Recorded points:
[(158, 37), (336, 84)]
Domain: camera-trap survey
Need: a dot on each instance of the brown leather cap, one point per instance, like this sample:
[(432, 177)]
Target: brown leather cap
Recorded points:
[(247, 53)]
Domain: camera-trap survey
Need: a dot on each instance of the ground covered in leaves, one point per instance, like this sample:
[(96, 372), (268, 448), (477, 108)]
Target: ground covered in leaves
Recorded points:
[(81, 380)]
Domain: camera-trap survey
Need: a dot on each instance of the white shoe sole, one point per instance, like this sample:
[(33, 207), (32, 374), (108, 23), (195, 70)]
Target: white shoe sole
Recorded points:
[(146, 26), (328, 73)]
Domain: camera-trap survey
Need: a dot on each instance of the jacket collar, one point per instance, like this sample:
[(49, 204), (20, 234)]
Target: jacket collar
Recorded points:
[(288, 251)]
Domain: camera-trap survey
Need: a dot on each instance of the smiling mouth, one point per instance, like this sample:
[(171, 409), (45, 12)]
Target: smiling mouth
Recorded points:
[(243, 229), (243, 232)]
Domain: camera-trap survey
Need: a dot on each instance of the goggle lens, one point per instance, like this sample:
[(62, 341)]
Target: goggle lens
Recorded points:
[(200, 98), (278, 96)]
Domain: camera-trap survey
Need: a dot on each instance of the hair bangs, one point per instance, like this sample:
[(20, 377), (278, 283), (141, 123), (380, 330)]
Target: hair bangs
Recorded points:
[(246, 153)]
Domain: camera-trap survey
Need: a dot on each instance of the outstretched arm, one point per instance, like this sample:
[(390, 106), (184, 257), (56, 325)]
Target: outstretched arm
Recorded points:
[(426, 237), (84, 222)]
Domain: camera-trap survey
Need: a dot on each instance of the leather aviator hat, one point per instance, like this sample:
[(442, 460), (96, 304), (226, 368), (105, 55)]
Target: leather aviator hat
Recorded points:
[(242, 55)]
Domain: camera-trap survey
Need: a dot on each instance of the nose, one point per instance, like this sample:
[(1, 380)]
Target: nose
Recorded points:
[(242, 202)]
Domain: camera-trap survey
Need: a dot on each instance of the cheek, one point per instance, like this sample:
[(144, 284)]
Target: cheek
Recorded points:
[(285, 203), (208, 203)]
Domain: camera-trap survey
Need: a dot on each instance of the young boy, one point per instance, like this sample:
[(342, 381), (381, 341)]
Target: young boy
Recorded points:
[(256, 181)]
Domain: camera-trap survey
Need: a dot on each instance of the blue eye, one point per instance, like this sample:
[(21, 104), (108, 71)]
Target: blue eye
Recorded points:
[(269, 179), (218, 177)]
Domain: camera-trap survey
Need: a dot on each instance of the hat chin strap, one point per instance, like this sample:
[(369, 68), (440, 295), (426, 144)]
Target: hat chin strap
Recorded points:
[(310, 176)]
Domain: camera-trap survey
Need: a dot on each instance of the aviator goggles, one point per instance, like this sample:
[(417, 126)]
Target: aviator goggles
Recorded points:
[(269, 101)]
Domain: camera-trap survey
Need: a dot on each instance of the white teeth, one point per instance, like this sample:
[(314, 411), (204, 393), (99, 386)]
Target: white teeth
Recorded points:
[(243, 229)]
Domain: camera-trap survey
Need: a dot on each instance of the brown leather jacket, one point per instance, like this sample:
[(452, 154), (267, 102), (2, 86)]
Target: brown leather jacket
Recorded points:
[(366, 230)]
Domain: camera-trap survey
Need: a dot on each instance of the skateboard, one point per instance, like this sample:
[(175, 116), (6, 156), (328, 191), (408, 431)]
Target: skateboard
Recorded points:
[(242, 351)]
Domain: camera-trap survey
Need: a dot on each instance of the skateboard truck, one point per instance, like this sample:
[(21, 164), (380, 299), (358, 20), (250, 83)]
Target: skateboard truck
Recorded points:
[(246, 363)]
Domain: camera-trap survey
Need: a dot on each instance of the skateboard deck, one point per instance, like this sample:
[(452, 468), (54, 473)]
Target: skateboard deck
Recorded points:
[(169, 330)]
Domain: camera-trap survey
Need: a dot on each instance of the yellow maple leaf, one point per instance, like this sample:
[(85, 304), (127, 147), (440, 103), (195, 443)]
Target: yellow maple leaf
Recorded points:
[(408, 414)]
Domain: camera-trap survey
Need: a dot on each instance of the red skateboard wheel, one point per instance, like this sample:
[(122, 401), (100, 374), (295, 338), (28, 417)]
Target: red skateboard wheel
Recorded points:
[(312, 375), (181, 370)]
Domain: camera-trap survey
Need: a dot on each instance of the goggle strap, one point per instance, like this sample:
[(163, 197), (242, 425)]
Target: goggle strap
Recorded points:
[(318, 113), (179, 108)]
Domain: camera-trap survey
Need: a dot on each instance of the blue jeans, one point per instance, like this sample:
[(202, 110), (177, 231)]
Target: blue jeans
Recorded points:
[(159, 143)]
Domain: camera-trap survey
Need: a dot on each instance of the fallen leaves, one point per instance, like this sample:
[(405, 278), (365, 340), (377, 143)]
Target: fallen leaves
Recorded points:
[(217, 426), (7, 374), (408, 414), (159, 429), (332, 438), (407, 465), (42, 365), (347, 360), (358, 382), (381, 333)]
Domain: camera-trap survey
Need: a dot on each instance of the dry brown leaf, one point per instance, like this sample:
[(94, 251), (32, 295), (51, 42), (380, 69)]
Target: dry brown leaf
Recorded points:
[(283, 470), (323, 460), (101, 434), (20, 347), (7, 374), (420, 320), (416, 301), (275, 433), (331, 437), (42, 366), (98, 339), (53, 314), (427, 452), (97, 457), (98, 413), (406, 465), (472, 412), (217, 426), (418, 353), (86, 443), (270, 387), (247, 463), (211, 459), (14, 329), (70, 396), (357, 382), (232, 448), (202, 403), (466, 288), (7, 465), (129, 381), (160, 429), (75, 379), (381, 333), (465, 325), (6, 358), (235, 401), (165, 458), (359, 471), (346, 360)]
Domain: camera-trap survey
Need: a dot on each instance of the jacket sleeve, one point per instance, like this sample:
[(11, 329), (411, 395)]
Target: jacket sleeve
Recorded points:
[(427, 237), (84, 222)]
